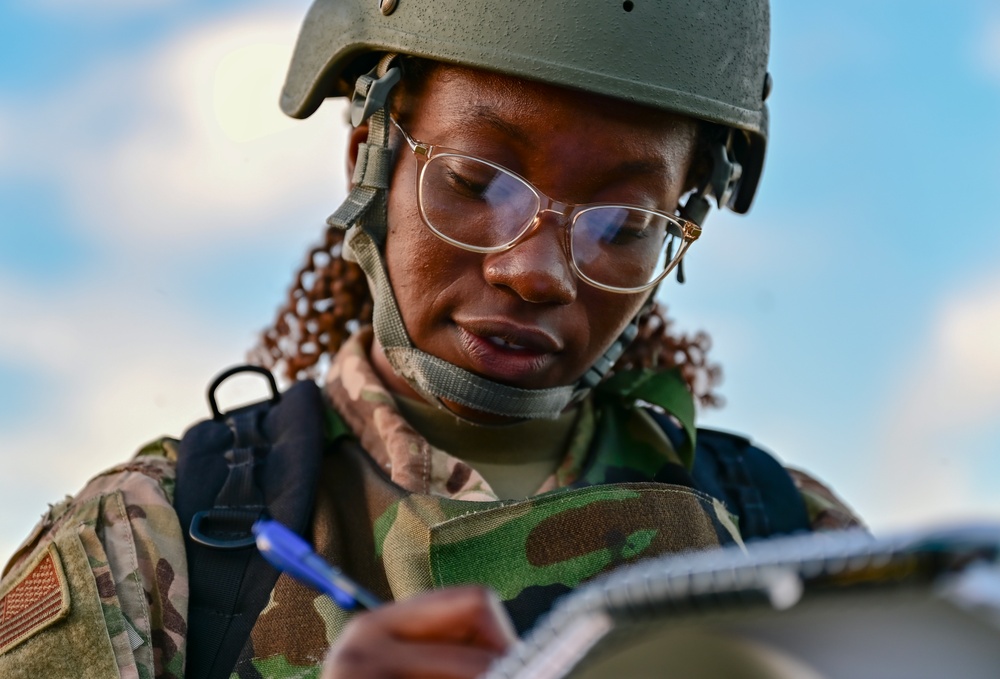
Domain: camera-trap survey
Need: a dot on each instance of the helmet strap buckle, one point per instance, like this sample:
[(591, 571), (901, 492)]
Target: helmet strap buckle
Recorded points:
[(726, 172), (371, 91)]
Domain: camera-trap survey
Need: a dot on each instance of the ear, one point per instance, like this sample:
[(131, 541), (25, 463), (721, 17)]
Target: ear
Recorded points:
[(357, 136)]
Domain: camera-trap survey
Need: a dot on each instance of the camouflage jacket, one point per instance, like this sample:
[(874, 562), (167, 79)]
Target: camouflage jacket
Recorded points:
[(100, 588)]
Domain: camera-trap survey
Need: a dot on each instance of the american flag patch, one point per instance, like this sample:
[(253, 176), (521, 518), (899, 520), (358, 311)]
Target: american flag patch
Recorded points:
[(38, 598)]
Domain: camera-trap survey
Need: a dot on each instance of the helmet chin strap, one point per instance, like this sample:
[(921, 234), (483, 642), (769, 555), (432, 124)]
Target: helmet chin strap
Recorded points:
[(363, 217)]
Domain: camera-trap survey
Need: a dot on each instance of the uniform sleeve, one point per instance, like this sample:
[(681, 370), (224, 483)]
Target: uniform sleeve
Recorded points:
[(99, 589), (826, 510)]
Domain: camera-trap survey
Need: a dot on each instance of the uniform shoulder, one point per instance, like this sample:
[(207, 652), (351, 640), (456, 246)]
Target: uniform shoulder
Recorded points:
[(148, 476), (741, 461), (827, 511), (101, 582)]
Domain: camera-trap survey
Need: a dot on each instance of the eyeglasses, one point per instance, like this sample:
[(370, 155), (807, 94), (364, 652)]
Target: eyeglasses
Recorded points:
[(480, 206)]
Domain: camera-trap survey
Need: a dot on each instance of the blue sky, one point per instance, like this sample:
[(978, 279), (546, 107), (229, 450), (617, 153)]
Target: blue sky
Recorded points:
[(153, 204)]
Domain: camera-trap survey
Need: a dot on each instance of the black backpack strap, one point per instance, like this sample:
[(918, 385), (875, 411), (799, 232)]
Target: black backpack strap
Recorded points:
[(752, 483), (232, 469)]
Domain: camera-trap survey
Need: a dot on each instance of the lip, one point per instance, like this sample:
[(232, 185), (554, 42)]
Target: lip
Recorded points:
[(506, 351)]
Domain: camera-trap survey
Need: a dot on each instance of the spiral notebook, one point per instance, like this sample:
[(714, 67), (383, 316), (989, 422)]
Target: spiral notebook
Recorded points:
[(924, 605)]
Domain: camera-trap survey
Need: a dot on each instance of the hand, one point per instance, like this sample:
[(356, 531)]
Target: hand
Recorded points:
[(447, 634)]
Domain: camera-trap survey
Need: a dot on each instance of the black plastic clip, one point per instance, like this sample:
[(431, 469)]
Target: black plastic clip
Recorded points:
[(213, 403), (726, 174), (225, 528), (371, 93)]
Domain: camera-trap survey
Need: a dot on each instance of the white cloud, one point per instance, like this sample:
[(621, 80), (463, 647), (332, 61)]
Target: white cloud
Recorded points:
[(186, 142), (961, 366), (180, 149), (949, 399), (6, 133), (986, 47), (128, 368)]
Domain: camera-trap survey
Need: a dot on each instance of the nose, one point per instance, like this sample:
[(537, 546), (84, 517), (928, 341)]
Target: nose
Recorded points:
[(537, 268)]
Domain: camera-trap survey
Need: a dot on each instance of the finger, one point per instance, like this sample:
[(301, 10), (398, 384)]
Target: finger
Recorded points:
[(469, 615), (409, 660)]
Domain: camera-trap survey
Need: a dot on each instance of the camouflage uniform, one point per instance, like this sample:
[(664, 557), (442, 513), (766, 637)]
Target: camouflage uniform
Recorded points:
[(99, 589), (397, 514)]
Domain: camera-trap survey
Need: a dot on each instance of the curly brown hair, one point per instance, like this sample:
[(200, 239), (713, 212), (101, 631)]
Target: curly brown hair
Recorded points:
[(329, 300)]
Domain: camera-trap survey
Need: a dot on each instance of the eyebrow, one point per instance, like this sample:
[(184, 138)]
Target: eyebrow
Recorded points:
[(489, 116)]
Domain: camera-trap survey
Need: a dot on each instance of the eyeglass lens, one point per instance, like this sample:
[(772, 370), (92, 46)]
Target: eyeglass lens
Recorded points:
[(476, 204)]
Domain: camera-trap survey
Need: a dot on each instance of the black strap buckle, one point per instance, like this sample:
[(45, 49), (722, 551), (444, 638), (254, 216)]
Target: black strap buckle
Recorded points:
[(213, 403), (240, 502), (225, 527)]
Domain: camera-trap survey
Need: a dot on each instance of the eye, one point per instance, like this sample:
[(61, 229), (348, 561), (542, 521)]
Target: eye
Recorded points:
[(468, 178), (627, 226), (467, 186)]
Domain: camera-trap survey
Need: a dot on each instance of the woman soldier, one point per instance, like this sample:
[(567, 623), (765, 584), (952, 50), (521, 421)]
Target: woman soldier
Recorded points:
[(525, 175)]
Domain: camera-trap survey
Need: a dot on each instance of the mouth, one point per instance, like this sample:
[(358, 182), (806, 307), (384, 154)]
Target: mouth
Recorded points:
[(501, 342), (507, 352)]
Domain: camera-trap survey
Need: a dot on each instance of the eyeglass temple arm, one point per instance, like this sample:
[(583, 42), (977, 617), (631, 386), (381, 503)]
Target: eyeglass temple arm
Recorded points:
[(413, 143)]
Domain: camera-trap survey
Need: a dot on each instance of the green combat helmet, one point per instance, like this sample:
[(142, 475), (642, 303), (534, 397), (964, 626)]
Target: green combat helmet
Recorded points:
[(706, 59)]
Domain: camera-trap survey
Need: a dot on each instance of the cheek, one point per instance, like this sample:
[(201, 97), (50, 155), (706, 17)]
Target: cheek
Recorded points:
[(608, 314), (408, 255), (423, 269), (405, 250)]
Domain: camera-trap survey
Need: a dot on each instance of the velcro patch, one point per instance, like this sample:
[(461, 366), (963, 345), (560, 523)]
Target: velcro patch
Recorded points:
[(35, 600)]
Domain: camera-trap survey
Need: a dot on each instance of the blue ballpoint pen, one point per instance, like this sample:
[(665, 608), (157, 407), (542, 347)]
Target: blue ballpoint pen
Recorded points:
[(289, 553)]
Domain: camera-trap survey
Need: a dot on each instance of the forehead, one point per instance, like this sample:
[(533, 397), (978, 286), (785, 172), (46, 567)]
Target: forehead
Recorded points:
[(454, 99)]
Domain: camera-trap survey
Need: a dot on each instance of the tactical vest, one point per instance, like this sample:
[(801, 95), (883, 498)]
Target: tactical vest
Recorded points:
[(272, 457)]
